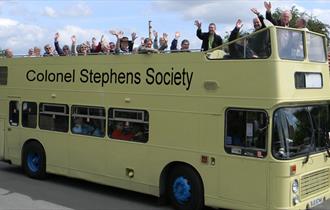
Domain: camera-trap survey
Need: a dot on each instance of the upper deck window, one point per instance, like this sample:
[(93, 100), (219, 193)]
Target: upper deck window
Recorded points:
[(316, 48), (290, 44)]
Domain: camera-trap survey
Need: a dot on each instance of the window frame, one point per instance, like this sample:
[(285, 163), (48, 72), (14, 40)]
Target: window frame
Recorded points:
[(15, 124), (261, 153), (65, 114), (145, 120), (36, 119), (88, 116)]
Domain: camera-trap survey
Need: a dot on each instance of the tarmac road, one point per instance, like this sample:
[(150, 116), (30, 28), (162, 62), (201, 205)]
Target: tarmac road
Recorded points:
[(18, 192)]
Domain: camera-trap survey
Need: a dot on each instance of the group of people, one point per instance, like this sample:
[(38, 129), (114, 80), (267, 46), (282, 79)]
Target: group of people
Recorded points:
[(123, 45)]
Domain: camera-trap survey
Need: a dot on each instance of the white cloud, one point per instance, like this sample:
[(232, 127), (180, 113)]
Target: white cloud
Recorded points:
[(4, 22), (82, 34), (76, 10), (50, 12), (19, 36)]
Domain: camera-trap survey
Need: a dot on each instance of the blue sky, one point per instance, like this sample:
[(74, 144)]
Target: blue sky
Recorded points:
[(25, 24)]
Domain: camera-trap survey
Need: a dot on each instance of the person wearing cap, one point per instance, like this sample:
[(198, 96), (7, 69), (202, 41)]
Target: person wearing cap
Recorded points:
[(210, 39)]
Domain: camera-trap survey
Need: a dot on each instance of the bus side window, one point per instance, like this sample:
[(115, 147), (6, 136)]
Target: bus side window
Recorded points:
[(13, 113), (88, 120), (29, 114), (128, 124), (54, 117), (246, 132)]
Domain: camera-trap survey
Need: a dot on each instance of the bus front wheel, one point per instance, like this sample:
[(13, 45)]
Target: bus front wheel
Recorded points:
[(185, 189), (34, 160)]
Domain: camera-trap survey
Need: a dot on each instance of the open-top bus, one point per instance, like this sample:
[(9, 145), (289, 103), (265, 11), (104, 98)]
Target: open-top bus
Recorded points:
[(242, 126)]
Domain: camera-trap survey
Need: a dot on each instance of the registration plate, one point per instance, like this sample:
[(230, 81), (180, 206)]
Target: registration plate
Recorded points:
[(315, 202)]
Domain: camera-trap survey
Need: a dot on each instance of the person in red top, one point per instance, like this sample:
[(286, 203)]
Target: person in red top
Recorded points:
[(121, 133)]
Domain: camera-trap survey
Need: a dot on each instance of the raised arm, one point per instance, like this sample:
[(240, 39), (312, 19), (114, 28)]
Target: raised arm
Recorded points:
[(234, 34), (269, 16), (73, 45), (174, 43), (155, 44), (199, 33), (57, 46)]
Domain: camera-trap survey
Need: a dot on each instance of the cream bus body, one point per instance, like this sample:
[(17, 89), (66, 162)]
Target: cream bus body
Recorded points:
[(187, 96)]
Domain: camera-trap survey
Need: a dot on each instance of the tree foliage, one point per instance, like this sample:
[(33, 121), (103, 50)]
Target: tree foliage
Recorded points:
[(313, 24)]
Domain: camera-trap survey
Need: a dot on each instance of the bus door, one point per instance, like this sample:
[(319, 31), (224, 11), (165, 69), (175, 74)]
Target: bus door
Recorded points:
[(2, 138), (244, 169), (13, 134)]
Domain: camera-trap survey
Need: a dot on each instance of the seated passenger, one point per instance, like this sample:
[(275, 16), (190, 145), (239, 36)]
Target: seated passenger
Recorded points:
[(122, 131), (48, 50), (184, 44), (80, 127)]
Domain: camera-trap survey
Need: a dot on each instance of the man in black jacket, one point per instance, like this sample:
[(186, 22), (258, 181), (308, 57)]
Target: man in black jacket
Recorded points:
[(210, 39)]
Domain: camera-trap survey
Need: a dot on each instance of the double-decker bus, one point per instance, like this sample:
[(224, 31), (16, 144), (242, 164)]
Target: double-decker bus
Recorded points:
[(242, 126)]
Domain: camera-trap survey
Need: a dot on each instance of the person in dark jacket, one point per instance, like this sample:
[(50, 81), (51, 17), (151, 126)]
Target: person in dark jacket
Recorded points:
[(283, 21), (61, 52), (210, 39), (184, 44), (239, 49)]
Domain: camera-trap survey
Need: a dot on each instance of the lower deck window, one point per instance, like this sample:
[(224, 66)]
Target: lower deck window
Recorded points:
[(88, 121), (246, 132), (54, 117), (29, 114), (13, 113), (128, 124)]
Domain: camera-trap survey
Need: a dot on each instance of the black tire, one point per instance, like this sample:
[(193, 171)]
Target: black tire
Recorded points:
[(185, 189), (34, 160)]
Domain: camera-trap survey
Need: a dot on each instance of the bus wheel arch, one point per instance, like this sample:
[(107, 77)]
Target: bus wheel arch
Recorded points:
[(172, 175), (34, 159)]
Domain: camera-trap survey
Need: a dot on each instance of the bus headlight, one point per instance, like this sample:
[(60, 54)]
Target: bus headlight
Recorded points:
[(295, 186)]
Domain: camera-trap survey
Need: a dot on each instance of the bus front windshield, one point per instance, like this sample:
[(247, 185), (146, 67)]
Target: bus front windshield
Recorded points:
[(299, 131)]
